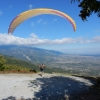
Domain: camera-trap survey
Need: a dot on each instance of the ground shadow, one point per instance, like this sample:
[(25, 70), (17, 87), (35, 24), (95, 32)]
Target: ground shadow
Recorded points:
[(55, 88), (91, 78), (10, 98)]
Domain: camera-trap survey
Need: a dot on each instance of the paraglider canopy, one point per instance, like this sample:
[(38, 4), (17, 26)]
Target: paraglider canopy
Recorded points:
[(34, 12)]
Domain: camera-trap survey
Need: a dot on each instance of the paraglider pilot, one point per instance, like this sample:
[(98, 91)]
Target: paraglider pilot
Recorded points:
[(41, 69)]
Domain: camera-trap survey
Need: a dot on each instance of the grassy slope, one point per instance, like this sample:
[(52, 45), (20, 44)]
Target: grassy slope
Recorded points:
[(18, 64)]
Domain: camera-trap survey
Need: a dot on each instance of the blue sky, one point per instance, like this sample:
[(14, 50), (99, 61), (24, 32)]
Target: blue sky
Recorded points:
[(50, 31)]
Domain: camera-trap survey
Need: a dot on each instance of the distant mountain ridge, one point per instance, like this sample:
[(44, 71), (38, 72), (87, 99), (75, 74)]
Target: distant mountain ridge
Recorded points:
[(77, 64), (32, 54)]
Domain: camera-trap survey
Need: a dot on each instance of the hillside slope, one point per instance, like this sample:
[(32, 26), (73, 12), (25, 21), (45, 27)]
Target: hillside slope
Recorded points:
[(13, 65)]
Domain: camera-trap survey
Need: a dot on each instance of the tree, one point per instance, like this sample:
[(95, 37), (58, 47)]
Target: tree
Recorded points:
[(2, 61), (88, 7)]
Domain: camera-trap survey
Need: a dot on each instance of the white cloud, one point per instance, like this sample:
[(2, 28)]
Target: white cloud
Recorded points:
[(96, 39), (1, 12), (44, 22), (54, 20), (39, 21), (97, 31), (10, 6), (70, 40), (34, 40), (30, 6), (32, 24)]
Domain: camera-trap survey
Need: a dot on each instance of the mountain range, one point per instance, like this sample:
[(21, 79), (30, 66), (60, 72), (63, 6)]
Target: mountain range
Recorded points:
[(31, 54), (78, 64)]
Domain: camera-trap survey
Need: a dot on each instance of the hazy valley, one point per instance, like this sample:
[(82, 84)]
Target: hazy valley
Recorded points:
[(88, 65)]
